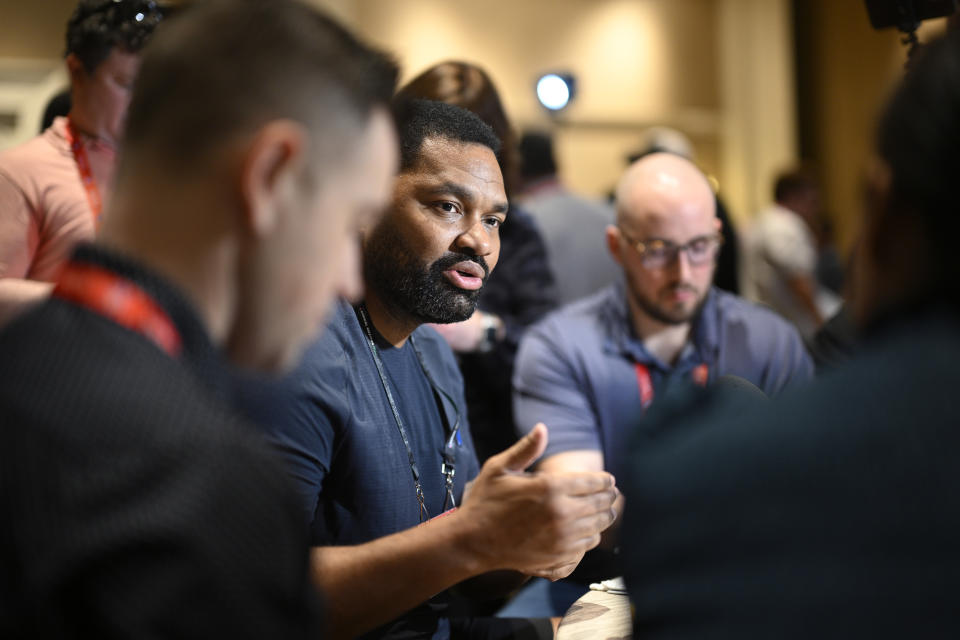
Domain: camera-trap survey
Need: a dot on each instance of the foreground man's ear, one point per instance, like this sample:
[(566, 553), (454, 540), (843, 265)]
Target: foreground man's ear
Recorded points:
[(272, 165)]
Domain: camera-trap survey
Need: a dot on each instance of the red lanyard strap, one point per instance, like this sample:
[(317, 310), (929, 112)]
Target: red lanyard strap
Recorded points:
[(700, 374), (120, 300), (86, 173)]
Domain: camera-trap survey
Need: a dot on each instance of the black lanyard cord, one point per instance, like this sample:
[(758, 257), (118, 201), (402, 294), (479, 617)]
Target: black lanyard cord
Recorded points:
[(447, 467)]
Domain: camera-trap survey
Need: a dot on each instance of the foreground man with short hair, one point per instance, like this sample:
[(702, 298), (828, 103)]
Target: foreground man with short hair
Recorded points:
[(373, 425), (135, 504)]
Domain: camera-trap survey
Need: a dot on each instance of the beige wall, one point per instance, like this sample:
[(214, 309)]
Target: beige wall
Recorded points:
[(628, 77), (638, 63), (722, 71), (33, 28), (31, 66), (719, 70), (758, 133)]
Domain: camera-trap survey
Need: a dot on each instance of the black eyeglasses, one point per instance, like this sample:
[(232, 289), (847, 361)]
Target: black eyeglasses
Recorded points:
[(656, 253)]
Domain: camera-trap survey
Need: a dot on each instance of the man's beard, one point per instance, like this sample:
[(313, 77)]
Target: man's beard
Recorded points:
[(422, 292), (661, 312)]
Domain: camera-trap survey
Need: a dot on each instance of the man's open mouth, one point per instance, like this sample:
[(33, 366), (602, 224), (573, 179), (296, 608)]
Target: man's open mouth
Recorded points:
[(466, 275)]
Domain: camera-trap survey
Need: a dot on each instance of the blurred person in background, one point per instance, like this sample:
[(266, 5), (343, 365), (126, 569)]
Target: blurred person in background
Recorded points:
[(58, 106), (572, 226), (518, 293), (782, 254), (53, 187)]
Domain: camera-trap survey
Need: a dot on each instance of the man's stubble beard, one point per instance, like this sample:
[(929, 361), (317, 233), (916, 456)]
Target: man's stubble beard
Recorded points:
[(655, 310)]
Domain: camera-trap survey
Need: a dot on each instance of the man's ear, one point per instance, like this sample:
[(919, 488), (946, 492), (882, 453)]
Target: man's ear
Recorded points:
[(273, 161), (613, 243), (75, 69)]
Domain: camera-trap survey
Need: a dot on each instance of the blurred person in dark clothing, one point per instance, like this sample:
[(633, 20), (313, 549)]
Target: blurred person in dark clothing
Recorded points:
[(58, 106), (135, 503), (830, 511), (518, 293)]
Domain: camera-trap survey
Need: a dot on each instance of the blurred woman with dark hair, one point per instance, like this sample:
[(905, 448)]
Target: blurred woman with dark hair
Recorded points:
[(520, 290)]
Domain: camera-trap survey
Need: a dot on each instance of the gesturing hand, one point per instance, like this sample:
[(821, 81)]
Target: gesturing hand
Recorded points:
[(538, 523)]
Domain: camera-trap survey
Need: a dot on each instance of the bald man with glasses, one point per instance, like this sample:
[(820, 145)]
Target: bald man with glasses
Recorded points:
[(590, 370)]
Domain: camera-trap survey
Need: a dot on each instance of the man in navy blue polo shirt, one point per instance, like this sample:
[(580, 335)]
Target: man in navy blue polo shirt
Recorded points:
[(373, 425), (590, 370)]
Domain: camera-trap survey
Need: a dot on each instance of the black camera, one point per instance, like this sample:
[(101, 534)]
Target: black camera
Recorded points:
[(906, 15)]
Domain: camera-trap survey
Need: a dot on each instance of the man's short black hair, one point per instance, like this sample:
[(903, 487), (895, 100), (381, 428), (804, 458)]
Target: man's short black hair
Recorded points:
[(418, 120), (221, 69), (919, 139), (97, 26)]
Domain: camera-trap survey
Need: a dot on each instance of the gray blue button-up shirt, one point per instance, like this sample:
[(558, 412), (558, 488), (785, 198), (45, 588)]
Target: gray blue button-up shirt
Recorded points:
[(576, 370)]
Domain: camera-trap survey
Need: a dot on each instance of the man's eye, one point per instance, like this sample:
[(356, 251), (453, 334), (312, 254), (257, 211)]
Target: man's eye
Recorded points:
[(700, 245), (493, 223), (447, 207), (658, 252)]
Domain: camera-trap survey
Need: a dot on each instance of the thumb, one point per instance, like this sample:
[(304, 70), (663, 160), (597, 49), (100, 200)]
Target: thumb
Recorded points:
[(525, 452)]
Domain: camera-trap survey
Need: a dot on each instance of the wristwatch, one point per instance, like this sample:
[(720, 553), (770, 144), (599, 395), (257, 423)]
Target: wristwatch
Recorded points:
[(491, 326)]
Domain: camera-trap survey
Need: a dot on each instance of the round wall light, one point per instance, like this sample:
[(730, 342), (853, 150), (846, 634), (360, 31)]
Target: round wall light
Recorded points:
[(555, 90)]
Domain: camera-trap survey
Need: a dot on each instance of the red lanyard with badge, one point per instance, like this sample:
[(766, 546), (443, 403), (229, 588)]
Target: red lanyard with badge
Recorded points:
[(700, 374), (86, 173), (119, 299)]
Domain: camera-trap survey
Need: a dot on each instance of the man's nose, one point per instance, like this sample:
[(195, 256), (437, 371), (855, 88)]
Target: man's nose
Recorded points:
[(681, 264), (476, 238)]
